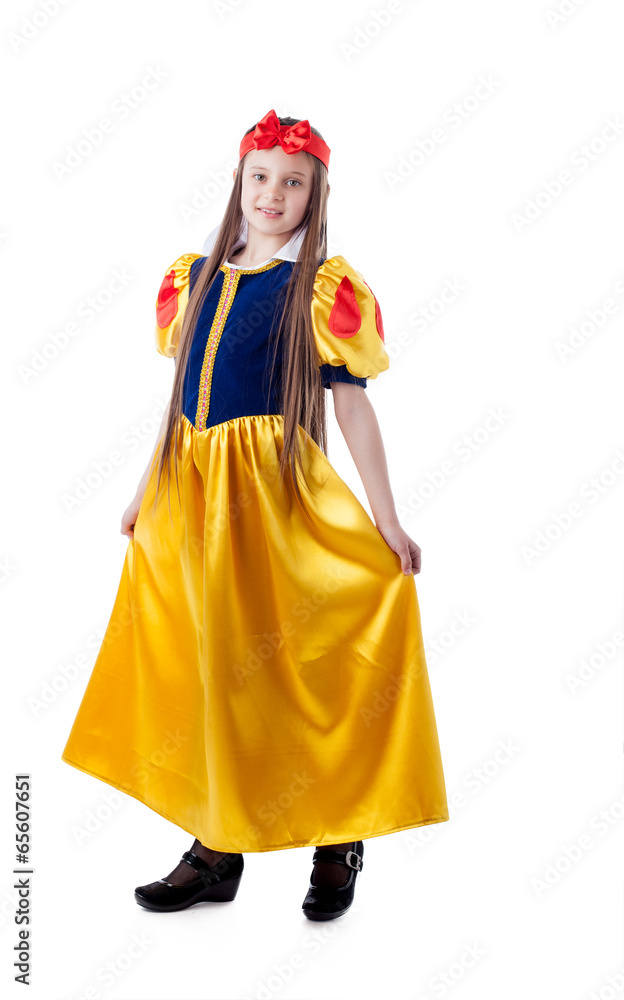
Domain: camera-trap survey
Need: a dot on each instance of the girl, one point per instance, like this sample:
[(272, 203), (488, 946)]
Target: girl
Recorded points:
[(262, 681)]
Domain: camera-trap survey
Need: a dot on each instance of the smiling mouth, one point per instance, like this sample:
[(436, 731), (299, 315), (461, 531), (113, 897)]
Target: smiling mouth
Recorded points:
[(268, 211)]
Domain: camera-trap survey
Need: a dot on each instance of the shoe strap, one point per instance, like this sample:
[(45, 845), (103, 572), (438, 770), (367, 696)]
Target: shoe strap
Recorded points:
[(203, 869), (210, 873), (349, 858)]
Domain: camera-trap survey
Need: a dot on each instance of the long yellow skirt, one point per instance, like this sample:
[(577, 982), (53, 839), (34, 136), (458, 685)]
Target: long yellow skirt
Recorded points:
[(262, 681)]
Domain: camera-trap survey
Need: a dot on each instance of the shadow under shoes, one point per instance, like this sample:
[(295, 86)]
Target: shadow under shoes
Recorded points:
[(325, 902), (216, 883)]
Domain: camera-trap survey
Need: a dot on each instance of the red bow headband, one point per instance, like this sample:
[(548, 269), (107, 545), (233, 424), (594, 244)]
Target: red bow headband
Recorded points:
[(292, 138)]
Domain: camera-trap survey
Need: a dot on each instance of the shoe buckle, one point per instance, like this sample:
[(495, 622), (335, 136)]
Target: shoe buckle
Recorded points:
[(353, 860)]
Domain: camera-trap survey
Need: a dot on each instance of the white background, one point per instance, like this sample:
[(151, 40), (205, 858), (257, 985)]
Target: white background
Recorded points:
[(501, 879)]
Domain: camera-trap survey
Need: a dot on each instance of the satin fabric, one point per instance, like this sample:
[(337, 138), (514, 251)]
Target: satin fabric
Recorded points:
[(262, 682), (346, 319)]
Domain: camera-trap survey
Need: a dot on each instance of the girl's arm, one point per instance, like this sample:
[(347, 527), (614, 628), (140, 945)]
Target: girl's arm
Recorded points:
[(130, 514), (143, 483), (144, 478), (358, 423)]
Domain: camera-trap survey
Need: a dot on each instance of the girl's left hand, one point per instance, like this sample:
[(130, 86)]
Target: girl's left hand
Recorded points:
[(404, 546)]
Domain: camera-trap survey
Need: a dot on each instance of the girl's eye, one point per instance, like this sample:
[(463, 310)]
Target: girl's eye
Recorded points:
[(288, 182)]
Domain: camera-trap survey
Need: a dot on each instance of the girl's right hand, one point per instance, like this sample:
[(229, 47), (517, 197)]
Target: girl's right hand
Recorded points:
[(129, 517)]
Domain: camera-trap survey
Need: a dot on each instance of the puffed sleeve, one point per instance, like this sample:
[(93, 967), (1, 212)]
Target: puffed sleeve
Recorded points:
[(171, 304), (347, 325)]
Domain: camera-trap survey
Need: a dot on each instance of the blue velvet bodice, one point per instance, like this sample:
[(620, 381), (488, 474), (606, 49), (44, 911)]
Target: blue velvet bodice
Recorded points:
[(245, 310)]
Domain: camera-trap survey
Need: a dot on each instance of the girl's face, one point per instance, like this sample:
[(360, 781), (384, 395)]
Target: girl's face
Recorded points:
[(279, 182)]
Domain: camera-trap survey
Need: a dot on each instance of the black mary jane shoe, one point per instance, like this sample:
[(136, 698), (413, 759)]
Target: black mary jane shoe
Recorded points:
[(214, 883), (325, 903)]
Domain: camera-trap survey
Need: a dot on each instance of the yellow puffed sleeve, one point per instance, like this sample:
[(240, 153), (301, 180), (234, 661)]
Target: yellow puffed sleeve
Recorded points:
[(347, 320), (171, 304)]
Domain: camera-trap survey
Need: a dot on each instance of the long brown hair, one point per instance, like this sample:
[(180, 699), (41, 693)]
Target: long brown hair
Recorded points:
[(301, 392)]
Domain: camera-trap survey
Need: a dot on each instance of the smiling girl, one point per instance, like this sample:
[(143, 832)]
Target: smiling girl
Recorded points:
[(269, 689)]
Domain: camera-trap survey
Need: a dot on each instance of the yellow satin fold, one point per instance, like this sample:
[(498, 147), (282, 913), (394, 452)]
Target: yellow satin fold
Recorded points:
[(262, 682)]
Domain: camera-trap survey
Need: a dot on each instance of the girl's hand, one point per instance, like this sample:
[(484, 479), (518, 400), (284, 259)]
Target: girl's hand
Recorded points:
[(130, 515), (404, 546)]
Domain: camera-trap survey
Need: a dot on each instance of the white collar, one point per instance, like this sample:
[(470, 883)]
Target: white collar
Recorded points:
[(289, 251)]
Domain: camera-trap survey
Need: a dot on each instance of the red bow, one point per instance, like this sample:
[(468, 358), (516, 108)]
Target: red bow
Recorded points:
[(292, 138)]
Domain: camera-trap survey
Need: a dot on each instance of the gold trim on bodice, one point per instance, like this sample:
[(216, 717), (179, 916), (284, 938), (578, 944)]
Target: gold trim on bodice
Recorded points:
[(228, 291)]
